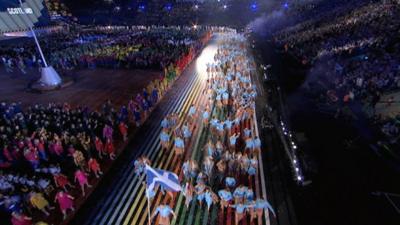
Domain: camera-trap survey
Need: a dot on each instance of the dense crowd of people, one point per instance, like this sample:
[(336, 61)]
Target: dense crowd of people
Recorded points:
[(226, 170), (58, 10), (154, 48), (109, 47), (48, 152), (353, 53)]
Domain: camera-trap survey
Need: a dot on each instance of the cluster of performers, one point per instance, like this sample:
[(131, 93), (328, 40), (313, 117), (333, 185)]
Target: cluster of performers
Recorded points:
[(226, 172)]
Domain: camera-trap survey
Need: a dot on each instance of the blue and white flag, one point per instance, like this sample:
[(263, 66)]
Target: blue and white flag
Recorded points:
[(167, 180)]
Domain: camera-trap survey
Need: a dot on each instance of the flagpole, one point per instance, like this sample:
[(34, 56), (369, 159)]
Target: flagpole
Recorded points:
[(148, 209), (34, 35), (49, 76), (148, 200), (164, 180)]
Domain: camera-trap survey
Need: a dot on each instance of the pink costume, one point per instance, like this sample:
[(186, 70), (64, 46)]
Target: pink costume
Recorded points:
[(64, 200), (32, 156), (81, 177), (58, 148), (21, 220)]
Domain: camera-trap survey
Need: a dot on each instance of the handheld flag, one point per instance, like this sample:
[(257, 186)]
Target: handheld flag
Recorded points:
[(167, 180)]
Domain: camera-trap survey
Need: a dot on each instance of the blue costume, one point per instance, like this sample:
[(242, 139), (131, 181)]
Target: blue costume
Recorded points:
[(192, 111), (164, 123), (228, 124), (257, 143), (201, 195), (247, 132), (179, 143), (225, 195), (225, 96), (232, 140), (249, 195), (209, 198), (164, 210), (164, 137), (249, 143), (239, 192), (210, 150), (214, 122), (251, 171), (186, 132), (263, 204), (206, 115), (230, 181), (239, 208)]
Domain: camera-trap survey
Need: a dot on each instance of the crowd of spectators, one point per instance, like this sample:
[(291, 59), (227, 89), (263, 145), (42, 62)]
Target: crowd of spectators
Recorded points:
[(111, 47), (45, 149), (48, 152), (154, 48), (58, 9), (353, 53), (52, 153)]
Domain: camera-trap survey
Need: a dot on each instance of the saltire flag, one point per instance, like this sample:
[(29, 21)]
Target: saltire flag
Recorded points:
[(167, 180)]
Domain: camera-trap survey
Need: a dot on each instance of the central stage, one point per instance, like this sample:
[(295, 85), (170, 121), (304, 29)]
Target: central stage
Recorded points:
[(92, 87)]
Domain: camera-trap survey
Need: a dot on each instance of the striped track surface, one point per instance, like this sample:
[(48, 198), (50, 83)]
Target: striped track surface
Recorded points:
[(124, 200)]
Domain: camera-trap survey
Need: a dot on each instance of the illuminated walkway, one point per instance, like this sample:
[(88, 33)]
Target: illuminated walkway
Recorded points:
[(121, 200)]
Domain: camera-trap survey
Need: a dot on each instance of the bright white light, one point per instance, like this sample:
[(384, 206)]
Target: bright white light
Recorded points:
[(196, 6), (294, 161), (225, 6), (299, 178), (297, 169), (206, 57), (195, 26)]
